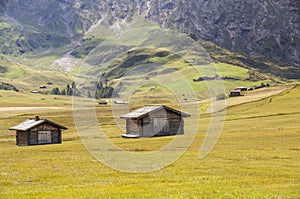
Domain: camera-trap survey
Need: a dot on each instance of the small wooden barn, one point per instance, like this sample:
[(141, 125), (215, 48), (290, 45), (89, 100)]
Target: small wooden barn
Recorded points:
[(103, 102), (234, 93), (150, 121), (37, 132), (242, 88)]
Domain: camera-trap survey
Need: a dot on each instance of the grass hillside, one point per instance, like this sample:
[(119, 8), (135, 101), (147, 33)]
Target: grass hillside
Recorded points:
[(136, 67), (26, 79), (18, 38), (254, 158), (147, 52), (261, 64), (112, 53)]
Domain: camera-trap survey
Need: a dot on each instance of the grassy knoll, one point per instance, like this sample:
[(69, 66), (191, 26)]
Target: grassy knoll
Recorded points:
[(18, 99), (26, 79), (257, 156)]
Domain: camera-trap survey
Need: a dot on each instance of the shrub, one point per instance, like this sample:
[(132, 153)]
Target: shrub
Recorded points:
[(220, 96)]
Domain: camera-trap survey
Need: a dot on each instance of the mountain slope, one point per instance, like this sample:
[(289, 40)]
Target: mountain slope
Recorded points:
[(265, 28), (26, 79)]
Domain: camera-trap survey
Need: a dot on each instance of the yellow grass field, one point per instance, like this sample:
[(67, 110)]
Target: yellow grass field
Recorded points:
[(257, 155)]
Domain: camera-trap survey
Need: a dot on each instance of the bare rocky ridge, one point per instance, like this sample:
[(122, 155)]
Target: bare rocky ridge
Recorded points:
[(269, 28)]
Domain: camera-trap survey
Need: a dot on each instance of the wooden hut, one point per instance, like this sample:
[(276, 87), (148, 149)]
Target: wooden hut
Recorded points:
[(234, 93), (242, 88), (150, 121), (103, 102), (36, 132)]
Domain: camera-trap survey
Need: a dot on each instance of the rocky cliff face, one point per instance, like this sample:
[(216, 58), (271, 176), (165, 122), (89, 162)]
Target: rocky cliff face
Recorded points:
[(269, 28)]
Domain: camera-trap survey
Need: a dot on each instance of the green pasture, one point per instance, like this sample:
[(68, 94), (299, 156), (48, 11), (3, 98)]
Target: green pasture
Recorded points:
[(257, 156), (27, 79)]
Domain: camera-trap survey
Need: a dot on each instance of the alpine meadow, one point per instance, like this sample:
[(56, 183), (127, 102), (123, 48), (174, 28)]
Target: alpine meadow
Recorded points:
[(149, 99)]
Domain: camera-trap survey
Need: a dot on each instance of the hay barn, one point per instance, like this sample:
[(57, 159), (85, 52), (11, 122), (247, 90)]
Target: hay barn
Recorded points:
[(150, 121), (235, 93), (37, 132)]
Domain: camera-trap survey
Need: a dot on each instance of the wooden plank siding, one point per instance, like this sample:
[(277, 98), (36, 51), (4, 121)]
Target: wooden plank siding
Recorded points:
[(22, 138), (145, 126), (36, 131), (31, 137)]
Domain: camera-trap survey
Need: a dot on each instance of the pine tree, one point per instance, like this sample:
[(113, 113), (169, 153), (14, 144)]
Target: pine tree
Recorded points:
[(89, 95), (63, 92), (74, 86), (55, 91), (69, 90)]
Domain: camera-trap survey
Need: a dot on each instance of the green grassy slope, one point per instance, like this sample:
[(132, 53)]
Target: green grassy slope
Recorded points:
[(147, 51), (17, 39), (261, 64), (109, 53), (161, 64), (254, 158), (26, 79)]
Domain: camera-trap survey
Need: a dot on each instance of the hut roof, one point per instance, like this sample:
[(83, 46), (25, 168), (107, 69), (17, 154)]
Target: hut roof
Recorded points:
[(235, 91), (31, 123), (150, 109)]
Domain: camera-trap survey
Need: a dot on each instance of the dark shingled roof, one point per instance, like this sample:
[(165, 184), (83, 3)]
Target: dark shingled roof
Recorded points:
[(149, 109), (31, 123)]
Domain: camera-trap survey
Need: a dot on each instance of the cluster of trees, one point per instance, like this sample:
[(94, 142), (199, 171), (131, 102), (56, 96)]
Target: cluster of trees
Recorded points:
[(69, 90), (101, 90), (98, 91), (262, 85), (6, 86), (220, 96)]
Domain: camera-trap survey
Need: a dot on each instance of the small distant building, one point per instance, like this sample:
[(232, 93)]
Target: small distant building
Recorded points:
[(35, 92), (150, 121), (43, 87), (242, 88), (37, 132), (234, 93), (49, 83), (120, 102), (103, 102)]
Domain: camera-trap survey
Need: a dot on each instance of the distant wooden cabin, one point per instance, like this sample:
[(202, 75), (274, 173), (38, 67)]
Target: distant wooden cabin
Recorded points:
[(36, 132), (242, 88), (234, 93), (120, 102), (103, 102), (151, 121)]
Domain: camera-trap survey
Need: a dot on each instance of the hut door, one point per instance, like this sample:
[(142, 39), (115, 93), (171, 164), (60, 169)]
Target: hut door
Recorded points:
[(44, 137), (161, 126)]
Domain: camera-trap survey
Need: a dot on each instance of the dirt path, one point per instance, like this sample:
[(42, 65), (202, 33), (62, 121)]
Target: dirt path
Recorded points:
[(18, 109), (251, 96)]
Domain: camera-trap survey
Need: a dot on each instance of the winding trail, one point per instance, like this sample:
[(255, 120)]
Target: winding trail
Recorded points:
[(14, 109)]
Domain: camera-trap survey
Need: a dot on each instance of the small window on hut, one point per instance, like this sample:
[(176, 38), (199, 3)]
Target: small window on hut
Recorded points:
[(44, 137)]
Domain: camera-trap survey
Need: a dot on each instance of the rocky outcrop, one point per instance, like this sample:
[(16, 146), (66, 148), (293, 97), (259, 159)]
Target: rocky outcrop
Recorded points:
[(268, 28)]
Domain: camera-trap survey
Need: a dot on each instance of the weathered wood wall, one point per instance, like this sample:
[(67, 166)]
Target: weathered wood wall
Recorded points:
[(26, 138), (133, 126), (22, 138), (176, 127), (145, 126)]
